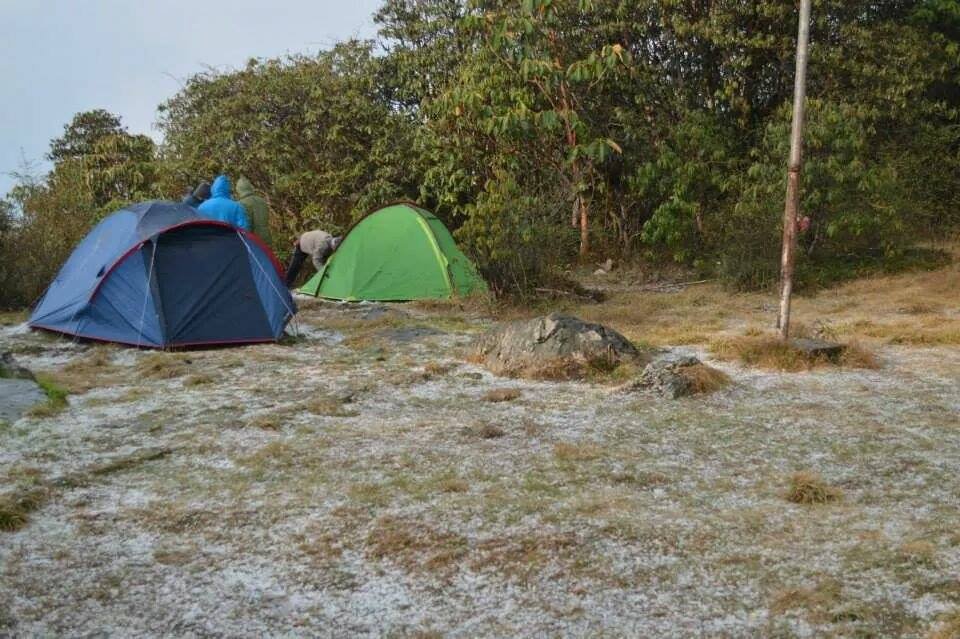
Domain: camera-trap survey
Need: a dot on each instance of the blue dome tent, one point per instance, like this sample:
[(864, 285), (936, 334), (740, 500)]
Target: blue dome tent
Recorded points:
[(159, 275)]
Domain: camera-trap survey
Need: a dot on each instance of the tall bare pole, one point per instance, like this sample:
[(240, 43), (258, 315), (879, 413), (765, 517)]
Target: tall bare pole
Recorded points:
[(791, 211)]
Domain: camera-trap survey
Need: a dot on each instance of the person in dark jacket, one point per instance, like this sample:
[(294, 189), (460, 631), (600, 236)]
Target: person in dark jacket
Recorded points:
[(222, 207), (258, 214), (197, 196)]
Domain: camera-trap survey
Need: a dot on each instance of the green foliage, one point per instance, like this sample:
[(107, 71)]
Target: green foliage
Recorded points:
[(515, 249), (855, 202), (98, 168), (83, 132), (316, 135), (656, 127)]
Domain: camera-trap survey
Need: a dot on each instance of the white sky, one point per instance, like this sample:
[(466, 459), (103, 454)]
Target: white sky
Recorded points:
[(58, 57)]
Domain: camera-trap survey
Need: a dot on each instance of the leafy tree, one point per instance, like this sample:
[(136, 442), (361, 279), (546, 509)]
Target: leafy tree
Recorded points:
[(317, 135), (425, 43), (545, 62), (83, 133)]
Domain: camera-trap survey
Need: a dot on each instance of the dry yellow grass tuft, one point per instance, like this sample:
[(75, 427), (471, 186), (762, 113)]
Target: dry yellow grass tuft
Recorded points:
[(163, 365), (577, 452), (704, 379), (270, 421), (436, 369), (763, 352), (809, 488), (856, 355), (521, 555), (948, 626), (918, 552), (816, 600), (770, 352), (415, 546), (487, 430), (199, 379), (501, 395), (15, 508), (85, 373), (453, 485), (328, 407)]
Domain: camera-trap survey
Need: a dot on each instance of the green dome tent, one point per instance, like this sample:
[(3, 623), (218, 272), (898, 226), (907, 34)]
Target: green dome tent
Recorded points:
[(397, 253)]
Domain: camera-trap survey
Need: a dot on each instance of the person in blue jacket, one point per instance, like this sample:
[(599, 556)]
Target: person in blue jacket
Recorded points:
[(222, 207)]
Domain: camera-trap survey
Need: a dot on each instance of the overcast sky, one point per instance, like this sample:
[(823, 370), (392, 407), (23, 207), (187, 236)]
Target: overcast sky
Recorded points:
[(58, 57)]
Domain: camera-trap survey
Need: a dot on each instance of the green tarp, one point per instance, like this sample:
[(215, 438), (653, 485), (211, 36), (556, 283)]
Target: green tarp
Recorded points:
[(397, 253)]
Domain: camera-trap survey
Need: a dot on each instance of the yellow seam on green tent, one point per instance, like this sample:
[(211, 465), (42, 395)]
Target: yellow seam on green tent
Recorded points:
[(441, 260)]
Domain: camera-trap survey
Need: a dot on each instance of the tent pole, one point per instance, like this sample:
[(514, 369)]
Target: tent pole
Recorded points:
[(791, 209)]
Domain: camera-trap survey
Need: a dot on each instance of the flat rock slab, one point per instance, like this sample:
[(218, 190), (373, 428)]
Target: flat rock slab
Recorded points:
[(554, 346), (10, 369), (816, 349), (17, 396)]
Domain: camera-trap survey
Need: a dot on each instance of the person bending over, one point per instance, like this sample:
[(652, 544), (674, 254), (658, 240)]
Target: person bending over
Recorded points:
[(318, 245)]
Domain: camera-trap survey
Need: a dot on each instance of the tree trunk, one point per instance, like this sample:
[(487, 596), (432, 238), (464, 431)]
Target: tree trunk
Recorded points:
[(791, 209), (584, 227)]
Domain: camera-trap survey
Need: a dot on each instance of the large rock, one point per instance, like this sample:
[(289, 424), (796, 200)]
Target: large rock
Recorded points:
[(18, 389), (553, 347)]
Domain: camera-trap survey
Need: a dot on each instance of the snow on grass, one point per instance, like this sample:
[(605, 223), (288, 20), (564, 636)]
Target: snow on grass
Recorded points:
[(341, 485)]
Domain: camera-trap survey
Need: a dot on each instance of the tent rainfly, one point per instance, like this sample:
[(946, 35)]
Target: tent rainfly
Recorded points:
[(158, 275), (397, 253)]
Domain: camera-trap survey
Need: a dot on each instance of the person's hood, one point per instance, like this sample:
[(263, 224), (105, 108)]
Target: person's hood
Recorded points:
[(221, 187), (244, 188), (202, 192)]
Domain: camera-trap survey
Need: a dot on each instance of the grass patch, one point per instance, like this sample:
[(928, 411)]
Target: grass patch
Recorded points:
[(856, 355), (816, 600), (486, 430), (199, 379), (369, 494), (522, 556), (414, 545), (15, 508), (918, 553), (704, 379), (271, 421), (948, 626), (56, 399), (90, 371), (576, 452), (496, 395), (163, 365), (809, 488), (763, 352), (13, 318), (436, 369), (452, 485), (327, 406), (772, 353)]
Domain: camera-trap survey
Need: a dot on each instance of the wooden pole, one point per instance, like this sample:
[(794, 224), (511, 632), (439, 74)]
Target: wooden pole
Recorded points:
[(791, 211)]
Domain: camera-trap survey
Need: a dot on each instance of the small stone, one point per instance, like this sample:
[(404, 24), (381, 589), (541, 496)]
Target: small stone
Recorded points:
[(815, 348)]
